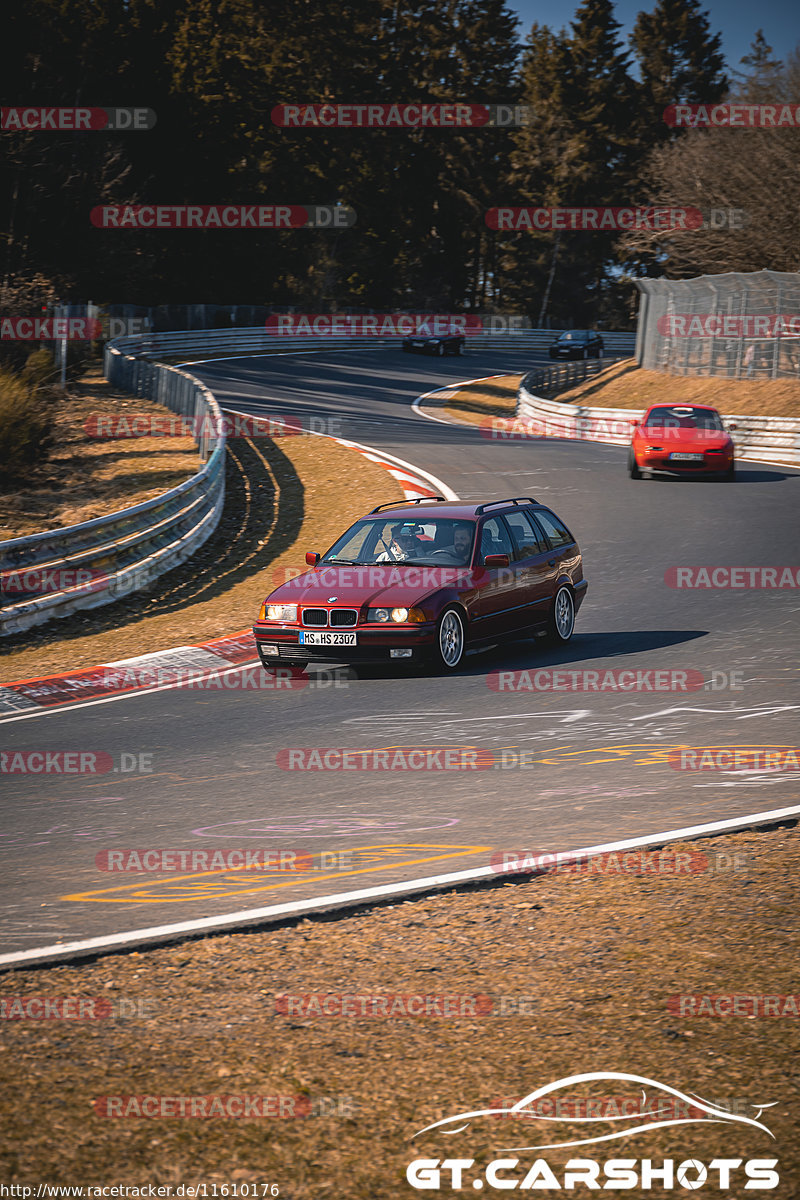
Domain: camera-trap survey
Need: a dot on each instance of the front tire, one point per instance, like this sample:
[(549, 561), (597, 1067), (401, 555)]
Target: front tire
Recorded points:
[(440, 350), (561, 623), (730, 474), (633, 468), (451, 640)]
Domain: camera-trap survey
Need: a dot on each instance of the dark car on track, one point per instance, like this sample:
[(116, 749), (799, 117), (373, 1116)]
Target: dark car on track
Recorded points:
[(423, 581), (577, 343), (434, 345), (688, 439)]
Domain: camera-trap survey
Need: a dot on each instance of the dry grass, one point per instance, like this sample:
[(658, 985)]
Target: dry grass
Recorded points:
[(598, 957)]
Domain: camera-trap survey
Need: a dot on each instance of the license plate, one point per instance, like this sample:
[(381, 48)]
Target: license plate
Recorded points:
[(686, 457), (308, 638)]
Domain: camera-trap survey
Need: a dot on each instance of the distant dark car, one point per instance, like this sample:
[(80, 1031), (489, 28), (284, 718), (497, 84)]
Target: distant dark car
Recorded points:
[(577, 343), (434, 345), (426, 581)]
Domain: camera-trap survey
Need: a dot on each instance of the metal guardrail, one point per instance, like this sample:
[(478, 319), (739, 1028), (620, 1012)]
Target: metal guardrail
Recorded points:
[(560, 379), (772, 439), (258, 341), (58, 572)]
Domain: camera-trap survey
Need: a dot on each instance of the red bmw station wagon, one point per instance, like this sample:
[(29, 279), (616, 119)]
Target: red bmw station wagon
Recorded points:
[(425, 580), (684, 439)]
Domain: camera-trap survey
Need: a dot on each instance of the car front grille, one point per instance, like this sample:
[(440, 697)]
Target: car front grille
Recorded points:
[(343, 616), (336, 617)]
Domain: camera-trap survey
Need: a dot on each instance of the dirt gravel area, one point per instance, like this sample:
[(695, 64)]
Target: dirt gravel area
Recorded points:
[(283, 497), (85, 478), (474, 402), (576, 972), (627, 386)]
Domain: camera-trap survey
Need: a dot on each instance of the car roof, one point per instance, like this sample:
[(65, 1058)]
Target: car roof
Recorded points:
[(689, 404), (453, 509)]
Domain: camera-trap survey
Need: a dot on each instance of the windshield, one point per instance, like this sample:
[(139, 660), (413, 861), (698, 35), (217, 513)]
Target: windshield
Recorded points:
[(437, 541), (683, 417), (575, 335)]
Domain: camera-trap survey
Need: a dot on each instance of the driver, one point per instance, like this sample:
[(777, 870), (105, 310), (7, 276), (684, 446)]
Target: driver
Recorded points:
[(462, 540), (404, 545)]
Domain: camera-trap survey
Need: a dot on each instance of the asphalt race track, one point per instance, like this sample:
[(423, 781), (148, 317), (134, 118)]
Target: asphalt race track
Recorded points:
[(598, 764)]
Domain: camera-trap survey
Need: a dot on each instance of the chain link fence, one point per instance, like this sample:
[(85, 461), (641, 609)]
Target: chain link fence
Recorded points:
[(735, 326)]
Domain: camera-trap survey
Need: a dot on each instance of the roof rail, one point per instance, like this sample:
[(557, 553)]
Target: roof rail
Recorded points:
[(511, 500), (405, 503)]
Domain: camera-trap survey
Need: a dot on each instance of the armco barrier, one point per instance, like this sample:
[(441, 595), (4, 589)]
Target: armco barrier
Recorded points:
[(82, 566), (772, 439), (257, 340)]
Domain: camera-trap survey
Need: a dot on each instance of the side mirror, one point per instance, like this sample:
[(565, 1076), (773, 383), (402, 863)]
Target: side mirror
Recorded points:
[(732, 426), (312, 558), (495, 560)]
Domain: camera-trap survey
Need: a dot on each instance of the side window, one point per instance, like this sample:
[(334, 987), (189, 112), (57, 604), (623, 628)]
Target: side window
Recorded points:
[(557, 532), (495, 539), (526, 542)]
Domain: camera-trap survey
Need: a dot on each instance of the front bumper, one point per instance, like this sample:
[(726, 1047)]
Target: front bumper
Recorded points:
[(373, 645), (711, 464)]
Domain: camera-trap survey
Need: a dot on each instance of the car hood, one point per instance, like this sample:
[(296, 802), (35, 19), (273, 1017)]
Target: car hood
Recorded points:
[(390, 585)]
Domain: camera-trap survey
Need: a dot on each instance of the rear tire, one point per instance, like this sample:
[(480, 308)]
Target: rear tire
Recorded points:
[(440, 350), (561, 622), (451, 640)]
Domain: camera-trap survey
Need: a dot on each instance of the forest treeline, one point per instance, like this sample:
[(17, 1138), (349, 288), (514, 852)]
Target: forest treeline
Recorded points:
[(214, 70)]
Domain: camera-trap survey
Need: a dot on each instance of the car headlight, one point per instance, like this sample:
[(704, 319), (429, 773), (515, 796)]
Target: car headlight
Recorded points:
[(397, 615), (279, 612)]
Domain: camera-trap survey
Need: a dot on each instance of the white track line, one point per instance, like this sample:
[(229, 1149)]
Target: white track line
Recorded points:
[(421, 412), (135, 937)]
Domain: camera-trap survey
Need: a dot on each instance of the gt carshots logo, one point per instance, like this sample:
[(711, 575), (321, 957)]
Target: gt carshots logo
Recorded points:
[(400, 116), (374, 324), (75, 120), (222, 216), (673, 1108), (592, 219), (732, 116)]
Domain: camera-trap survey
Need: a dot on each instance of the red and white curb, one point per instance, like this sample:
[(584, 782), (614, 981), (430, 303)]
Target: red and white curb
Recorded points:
[(205, 662)]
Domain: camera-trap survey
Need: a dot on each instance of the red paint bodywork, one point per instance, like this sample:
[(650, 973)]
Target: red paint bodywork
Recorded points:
[(652, 446)]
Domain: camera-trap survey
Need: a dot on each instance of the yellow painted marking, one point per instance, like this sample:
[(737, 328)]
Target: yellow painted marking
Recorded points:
[(222, 882)]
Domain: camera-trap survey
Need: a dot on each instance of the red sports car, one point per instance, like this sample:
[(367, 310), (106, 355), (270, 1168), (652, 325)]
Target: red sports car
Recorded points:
[(684, 438), (426, 579)]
